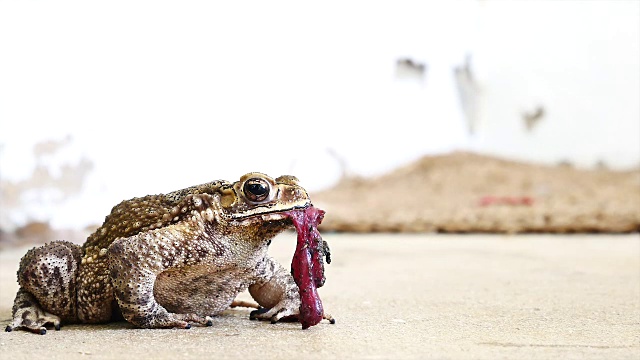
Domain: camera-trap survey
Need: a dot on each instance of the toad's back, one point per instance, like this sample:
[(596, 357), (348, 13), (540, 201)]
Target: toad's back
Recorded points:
[(136, 215)]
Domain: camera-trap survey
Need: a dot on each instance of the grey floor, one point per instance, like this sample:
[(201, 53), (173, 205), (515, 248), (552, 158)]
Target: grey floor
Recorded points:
[(406, 296)]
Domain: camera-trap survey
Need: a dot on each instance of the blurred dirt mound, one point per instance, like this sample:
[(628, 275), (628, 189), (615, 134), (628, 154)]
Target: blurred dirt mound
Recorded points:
[(465, 192), (37, 233)]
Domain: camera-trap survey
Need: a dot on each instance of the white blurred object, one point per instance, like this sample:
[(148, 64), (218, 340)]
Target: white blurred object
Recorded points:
[(165, 95)]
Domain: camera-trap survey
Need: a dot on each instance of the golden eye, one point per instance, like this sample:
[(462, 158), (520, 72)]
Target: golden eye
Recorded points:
[(256, 189)]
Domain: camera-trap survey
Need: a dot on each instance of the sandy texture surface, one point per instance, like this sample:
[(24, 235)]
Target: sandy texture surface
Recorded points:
[(406, 296), (463, 192)]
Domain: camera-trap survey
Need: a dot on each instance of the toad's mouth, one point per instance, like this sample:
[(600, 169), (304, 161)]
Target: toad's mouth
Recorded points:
[(269, 212)]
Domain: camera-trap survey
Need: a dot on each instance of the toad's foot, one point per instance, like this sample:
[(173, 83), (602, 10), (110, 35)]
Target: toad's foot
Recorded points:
[(270, 314), (274, 315), (286, 309), (171, 320), (28, 315)]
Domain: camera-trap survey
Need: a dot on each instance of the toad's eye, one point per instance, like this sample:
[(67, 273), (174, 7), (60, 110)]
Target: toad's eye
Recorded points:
[(256, 189)]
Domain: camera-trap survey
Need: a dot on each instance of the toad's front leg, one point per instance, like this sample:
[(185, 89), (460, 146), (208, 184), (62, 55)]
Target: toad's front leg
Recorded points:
[(134, 266), (277, 293)]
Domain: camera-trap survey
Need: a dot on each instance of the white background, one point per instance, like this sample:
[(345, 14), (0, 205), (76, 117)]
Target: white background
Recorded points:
[(160, 95)]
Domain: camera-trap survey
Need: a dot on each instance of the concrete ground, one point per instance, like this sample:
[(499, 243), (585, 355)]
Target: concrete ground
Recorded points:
[(406, 296)]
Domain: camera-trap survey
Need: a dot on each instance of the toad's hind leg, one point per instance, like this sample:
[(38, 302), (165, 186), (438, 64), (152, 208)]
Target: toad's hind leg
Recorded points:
[(47, 295)]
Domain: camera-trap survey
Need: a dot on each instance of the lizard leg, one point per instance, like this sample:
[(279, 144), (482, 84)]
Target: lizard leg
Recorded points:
[(242, 303)]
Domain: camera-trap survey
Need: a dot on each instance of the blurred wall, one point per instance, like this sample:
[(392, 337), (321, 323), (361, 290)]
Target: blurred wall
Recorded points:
[(105, 101), (559, 81)]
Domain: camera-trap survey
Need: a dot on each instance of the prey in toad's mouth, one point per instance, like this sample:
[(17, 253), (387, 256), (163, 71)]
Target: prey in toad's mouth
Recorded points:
[(176, 259)]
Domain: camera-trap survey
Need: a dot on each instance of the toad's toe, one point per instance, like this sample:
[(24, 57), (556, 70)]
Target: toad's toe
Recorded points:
[(33, 318), (255, 314)]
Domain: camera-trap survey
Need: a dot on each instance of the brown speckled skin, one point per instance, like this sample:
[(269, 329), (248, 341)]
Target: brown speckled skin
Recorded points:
[(166, 260)]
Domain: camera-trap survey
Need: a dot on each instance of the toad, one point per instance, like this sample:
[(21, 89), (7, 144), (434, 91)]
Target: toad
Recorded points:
[(176, 259)]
